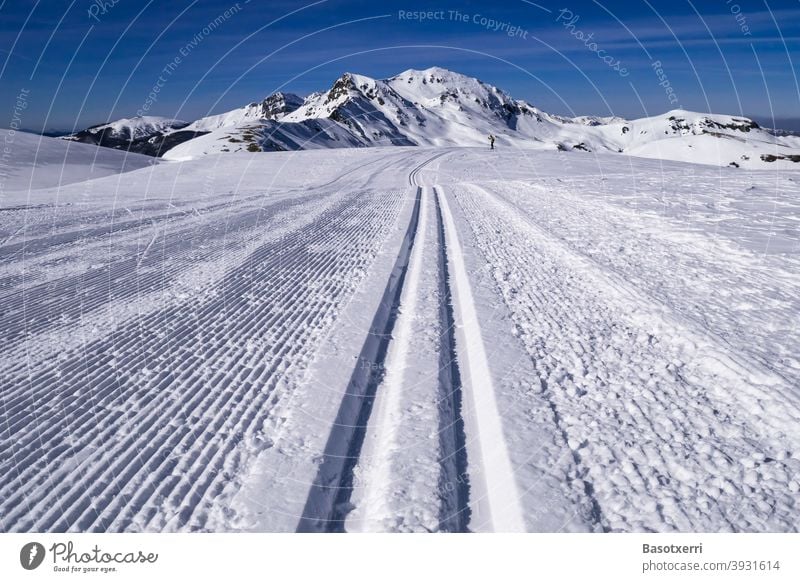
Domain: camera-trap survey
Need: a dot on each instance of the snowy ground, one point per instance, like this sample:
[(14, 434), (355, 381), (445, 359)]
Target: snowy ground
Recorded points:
[(29, 161), (403, 339)]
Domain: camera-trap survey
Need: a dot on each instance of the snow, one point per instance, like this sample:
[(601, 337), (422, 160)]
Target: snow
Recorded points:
[(34, 162), (266, 135), (625, 376), (496, 500), (402, 339), (138, 127), (276, 106), (437, 107), (397, 476)]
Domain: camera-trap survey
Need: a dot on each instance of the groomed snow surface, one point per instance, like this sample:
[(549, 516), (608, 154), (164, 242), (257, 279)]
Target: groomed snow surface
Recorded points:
[(401, 339), (32, 161)]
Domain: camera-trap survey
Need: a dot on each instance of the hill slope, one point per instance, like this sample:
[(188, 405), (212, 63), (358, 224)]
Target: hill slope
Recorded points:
[(44, 162)]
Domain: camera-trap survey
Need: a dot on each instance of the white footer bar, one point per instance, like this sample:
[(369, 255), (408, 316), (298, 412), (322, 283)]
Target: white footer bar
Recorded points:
[(377, 557)]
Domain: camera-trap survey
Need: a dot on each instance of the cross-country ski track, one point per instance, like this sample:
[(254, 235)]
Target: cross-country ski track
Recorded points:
[(399, 339)]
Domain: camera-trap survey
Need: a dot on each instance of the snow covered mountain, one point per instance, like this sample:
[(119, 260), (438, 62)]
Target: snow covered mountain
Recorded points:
[(437, 107), (273, 107), (695, 137), (150, 135), (431, 107), (138, 127)]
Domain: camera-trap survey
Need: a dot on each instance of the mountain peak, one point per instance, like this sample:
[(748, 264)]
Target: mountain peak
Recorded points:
[(283, 96), (278, 104), (430, 71), (439, 107), (348, 83)]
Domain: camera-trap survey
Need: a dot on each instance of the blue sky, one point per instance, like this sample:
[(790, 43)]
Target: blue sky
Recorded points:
[(89, 61)]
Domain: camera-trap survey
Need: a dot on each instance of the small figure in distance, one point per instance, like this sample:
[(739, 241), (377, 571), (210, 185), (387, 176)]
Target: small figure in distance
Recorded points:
[(491, 141)]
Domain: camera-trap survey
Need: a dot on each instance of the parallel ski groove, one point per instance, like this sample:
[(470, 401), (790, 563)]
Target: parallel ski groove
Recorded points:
[(73, 297), (454, 512), (74, 308), (329, 498), (117, 488), (494, 506)]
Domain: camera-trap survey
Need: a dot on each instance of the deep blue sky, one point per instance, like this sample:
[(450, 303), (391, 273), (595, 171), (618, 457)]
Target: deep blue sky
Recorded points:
[(81, 70)]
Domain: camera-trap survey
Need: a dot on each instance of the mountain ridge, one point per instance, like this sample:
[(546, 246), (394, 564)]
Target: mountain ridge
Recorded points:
[(439, 107)]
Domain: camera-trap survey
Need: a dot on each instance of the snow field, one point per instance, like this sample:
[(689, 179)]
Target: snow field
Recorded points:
[(154, 458), (31, 162), (402, 339), (667, 433), (714, 276)]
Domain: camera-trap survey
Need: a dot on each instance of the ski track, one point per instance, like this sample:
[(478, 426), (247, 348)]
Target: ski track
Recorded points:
[(388, 496), (152, 353), (146, 426), (412, 473), (667, 432), (495, 498), (443, 387), (454, 478), (330, 498)]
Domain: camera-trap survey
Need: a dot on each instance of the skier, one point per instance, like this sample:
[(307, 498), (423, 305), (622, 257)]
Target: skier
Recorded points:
[(491, 141)]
